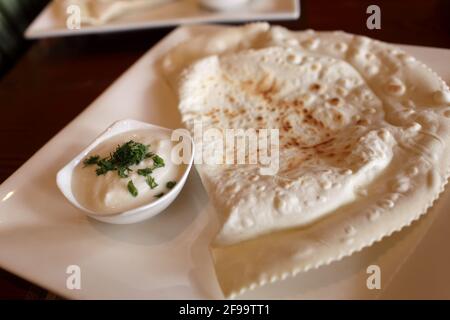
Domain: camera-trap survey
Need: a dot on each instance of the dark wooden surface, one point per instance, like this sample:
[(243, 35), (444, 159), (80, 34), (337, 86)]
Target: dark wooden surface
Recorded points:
[(57, 78)]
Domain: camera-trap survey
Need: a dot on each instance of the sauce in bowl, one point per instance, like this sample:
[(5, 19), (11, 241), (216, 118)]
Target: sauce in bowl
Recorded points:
[(126, 171)]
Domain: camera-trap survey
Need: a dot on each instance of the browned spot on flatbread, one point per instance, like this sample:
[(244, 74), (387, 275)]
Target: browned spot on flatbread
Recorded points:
[(231, 99), (362, 122), (315, 87), (334, 101), (287, 126)]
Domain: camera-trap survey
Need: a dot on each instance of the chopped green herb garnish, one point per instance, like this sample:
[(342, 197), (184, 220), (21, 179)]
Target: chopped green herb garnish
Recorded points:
[(151, 182), (144, 172), (126, 155), (171, 184), (130, 153), (104, 165), (158, 162), (91, 160), (132, 189), (123, 172), (159, 195)]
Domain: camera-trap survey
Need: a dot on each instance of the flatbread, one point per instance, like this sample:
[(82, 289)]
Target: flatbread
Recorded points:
[(98, 12), (364, 144)]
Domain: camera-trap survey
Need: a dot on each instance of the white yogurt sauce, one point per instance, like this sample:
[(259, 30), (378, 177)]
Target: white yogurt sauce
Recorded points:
[(108, 193)]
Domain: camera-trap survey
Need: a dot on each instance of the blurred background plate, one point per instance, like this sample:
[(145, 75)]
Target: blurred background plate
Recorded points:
[(52, 20)]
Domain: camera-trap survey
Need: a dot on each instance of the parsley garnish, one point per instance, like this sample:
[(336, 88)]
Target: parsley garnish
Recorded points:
[(158, 162), (151, 182), (126, 155), (129, 153), (104, 165), (123, 172), (132, 189), (144, 172), (159, 195), (171, 184), (91, 160)]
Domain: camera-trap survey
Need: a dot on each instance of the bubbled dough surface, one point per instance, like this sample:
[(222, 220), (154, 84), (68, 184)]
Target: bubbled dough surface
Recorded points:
[(345, 181)]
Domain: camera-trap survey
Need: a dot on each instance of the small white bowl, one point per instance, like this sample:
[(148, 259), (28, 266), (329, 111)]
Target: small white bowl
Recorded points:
[(64, 178), (221, 5)]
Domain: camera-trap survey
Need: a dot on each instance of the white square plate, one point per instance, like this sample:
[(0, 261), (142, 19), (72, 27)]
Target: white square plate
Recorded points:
[(52, 22), (41, 234)]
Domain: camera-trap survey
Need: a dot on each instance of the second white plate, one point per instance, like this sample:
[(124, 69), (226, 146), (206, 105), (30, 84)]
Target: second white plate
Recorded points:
[(52, 22)]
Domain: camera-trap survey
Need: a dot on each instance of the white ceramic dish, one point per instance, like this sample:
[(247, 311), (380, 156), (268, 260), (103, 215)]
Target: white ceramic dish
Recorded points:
[(51, 22), (64, 178), (167, 256)]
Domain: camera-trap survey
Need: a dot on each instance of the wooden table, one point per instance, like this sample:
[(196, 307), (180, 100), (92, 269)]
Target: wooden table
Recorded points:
[(57, 78)]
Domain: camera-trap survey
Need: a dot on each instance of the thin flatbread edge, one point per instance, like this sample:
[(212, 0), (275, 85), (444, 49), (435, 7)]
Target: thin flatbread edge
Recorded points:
[(255, 262)]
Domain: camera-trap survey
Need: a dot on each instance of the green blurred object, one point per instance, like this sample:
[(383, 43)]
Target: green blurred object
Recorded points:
[(15, 15)]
